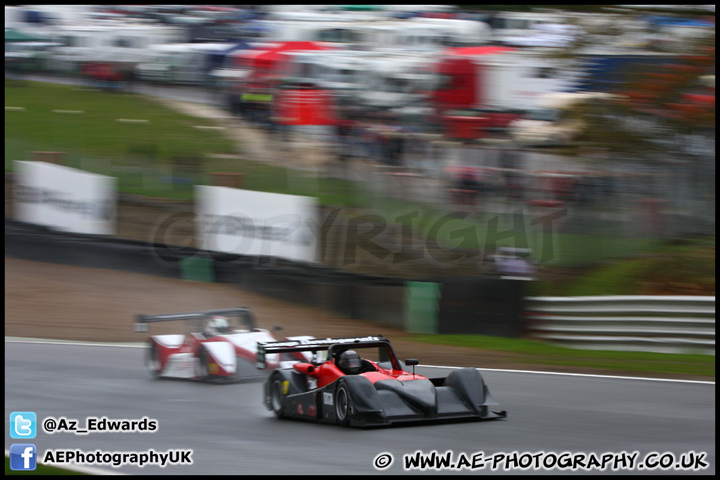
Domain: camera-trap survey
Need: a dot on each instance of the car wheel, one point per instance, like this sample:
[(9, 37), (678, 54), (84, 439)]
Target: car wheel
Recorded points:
[(203, 365), (342, 404), (277, 397), (152, 362)]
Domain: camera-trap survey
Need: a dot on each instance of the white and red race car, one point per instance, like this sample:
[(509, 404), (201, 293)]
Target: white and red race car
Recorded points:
[(217, 345)]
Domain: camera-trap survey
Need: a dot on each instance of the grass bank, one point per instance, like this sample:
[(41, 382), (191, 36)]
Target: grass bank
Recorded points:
[(678, 267), (155, 151), (543, 355), (152, 150)]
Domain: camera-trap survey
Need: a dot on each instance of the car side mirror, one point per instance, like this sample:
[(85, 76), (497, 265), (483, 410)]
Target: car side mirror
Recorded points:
[(412, 362), (277, 328)]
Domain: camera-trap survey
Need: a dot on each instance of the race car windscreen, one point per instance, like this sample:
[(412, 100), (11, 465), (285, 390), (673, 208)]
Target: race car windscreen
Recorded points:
[(379, 355), (222, 324)]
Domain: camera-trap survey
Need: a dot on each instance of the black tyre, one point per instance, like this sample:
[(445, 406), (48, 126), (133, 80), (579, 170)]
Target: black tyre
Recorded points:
[(152, 362), (277, 398), (342, 404), (203, 372)]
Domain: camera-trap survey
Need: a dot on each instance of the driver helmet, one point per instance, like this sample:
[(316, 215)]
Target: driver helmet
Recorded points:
[(218, 325), (350, 362)]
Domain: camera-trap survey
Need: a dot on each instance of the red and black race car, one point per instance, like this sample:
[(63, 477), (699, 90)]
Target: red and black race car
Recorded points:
[(359, 382), (217, 345)]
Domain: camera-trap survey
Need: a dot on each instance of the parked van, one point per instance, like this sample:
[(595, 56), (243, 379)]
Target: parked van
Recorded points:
[(458, 32), (394, 80), (519, 28), (29, 56), (178, 63), (340, 71), (120, 43)]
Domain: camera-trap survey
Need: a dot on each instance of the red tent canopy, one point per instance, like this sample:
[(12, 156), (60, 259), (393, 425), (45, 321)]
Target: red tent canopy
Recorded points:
[(268, 60)]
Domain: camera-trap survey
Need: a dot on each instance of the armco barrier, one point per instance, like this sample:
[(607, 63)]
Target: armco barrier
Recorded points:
[(375, 299), (341, 294), (32, 242), (485, 306), (677, 324), (474, 306)]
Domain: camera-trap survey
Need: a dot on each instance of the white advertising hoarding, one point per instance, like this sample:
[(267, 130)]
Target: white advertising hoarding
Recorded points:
[(64, 198), (245, 222)]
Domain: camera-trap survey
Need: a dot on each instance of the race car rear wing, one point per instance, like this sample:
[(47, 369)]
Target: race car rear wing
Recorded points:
[(314, 345), (244, 313)]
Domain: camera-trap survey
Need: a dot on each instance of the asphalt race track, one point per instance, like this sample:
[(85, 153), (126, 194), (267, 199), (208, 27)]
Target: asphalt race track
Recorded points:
[(230, 432)]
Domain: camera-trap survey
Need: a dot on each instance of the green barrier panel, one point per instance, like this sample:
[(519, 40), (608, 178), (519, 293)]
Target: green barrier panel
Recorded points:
[(421, 307), (197, 269)]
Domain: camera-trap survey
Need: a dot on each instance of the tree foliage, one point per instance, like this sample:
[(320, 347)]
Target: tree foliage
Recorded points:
[(667, 93)]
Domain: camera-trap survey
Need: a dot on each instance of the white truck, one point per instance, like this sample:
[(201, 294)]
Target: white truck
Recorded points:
[(500, 84)]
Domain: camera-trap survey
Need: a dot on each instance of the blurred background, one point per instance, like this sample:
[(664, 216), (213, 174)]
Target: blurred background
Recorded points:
[(571, 146)]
